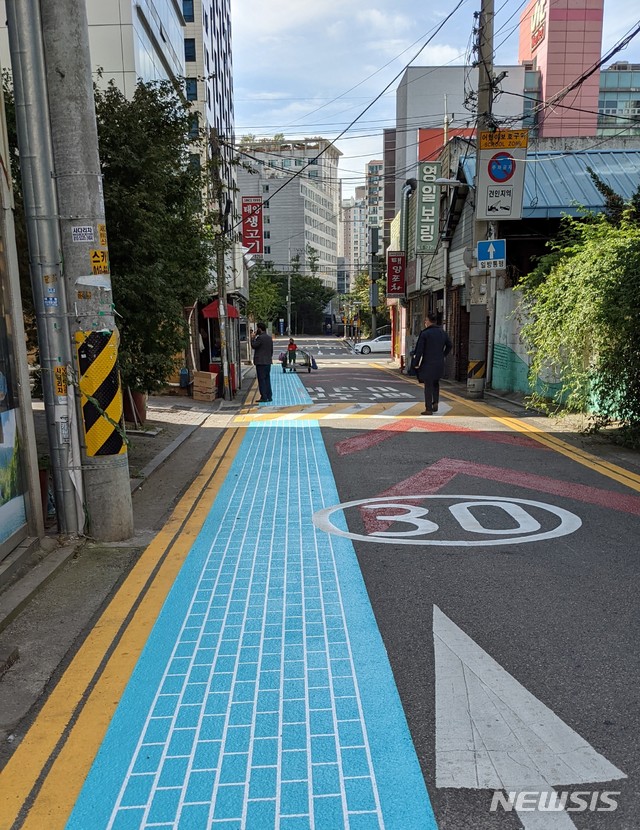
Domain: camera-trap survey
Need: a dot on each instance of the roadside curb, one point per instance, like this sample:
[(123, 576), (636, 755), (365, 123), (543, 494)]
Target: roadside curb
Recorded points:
[(16, 597), (162, 456)]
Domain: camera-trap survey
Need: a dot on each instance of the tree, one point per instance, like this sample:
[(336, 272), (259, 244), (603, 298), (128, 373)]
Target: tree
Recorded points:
[(309, 297), (360, 296), (264, 292), (160, 245)]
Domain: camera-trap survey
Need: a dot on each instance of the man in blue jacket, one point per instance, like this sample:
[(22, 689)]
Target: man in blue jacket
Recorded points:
[(431, 349), (262, 346)]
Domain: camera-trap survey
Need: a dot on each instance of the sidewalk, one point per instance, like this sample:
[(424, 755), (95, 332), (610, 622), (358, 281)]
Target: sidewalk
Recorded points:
[(261, 695), (171, 420)]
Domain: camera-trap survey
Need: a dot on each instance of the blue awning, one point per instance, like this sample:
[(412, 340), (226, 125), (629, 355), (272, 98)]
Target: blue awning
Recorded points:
[(558, 183)]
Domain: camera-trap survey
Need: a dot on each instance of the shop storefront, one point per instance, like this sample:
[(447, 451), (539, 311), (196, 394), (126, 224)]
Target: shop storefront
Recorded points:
[(13, 502), (20, 496)]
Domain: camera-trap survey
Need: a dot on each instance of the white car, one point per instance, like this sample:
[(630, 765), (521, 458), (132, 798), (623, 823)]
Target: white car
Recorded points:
[(377, 344)]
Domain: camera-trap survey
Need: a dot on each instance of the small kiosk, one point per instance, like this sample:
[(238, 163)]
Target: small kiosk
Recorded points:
[(211, 314)]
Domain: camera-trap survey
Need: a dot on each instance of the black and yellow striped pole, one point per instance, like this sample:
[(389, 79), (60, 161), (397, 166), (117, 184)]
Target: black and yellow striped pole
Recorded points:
[(100, 393), (476, 369)]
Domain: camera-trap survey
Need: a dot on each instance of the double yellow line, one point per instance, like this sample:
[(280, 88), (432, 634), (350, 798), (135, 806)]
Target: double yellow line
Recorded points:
[(605, 468), (43, 778), (599, 465)]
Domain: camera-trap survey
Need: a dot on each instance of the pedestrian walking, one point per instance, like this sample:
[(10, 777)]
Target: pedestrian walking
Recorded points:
[(291, 351), (282, 357), (262, 346), (431, 349)]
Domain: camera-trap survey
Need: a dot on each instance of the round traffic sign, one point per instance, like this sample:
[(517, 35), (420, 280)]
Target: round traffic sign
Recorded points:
[(502, 166)]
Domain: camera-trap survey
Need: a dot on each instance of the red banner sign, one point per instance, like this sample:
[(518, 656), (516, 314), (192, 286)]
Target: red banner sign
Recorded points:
[(252, 236), (396, 277)]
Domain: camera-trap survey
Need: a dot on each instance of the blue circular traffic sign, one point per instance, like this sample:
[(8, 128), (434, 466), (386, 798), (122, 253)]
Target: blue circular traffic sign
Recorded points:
[(502, 166)]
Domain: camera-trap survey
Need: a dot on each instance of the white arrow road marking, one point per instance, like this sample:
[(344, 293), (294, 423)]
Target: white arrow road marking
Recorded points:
[(491, 733)]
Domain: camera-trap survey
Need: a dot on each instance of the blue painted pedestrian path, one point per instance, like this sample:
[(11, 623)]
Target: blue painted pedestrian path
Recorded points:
[(264, 697)]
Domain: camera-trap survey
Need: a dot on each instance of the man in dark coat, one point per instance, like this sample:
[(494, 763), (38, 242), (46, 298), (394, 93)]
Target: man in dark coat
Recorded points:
[(262, 346), (431, 349)]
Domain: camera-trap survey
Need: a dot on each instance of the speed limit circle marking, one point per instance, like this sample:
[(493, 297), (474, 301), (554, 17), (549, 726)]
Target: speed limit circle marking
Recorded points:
[(426, 531)]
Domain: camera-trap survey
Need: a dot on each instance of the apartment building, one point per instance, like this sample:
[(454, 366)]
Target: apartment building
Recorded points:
[(187, 41), (298, 183), (354, 236), (374, 183)]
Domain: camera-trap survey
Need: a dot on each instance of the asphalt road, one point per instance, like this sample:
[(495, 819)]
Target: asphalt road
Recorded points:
[(501, 567), (481, 617)]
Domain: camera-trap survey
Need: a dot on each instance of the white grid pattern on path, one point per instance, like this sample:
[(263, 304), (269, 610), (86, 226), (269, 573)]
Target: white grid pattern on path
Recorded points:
[(258, 721)]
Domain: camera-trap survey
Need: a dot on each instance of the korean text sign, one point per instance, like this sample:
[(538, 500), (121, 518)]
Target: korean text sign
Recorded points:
[(396, 273), (252, 236), (428, 208)]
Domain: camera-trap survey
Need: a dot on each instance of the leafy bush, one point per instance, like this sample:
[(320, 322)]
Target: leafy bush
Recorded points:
[(583, 324)]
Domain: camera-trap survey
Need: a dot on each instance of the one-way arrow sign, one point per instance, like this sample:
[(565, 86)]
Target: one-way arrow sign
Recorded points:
[(492, 254), (493, 734)]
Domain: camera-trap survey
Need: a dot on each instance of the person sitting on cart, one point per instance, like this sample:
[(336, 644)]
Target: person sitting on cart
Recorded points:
[(291, 351)]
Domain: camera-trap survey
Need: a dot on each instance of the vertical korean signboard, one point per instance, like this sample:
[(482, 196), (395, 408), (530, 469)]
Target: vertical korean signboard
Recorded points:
[(396, 283), (428, 208), (252, 236)]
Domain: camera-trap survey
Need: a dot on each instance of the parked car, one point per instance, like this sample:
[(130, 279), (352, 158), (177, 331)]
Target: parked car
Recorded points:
[(377, 344)]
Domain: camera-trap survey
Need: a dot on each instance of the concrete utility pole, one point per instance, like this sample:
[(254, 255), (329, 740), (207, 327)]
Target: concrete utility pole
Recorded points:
[(13, 304), (478, 317), (86, 267), (375, 274), (216, 158), (43, 232)]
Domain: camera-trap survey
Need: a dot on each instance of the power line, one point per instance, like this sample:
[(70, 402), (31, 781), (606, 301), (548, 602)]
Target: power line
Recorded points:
[(368, 107)]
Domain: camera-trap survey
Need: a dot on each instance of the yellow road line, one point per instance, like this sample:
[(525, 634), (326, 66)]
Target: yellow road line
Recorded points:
[(83, 702), (605, 468), (315, 412)]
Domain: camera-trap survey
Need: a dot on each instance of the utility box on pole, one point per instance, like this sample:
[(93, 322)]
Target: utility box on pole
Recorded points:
[(86, 268)]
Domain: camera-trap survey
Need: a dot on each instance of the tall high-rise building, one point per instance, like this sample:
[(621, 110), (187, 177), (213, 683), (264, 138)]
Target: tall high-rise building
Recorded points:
[(375, 193), (298, 183), (191, 40), (354, 236), (561, 40), (209, 86), (129, 39)]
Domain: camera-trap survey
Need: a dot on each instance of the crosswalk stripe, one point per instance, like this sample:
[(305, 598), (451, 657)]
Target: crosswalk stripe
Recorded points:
[(334, 412)]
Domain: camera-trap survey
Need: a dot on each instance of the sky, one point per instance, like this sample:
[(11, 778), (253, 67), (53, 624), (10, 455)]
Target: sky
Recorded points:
[(310, 67)]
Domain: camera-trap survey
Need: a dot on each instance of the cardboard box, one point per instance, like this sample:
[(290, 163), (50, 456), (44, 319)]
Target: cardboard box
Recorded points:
[(203, 396), (204, 382)]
